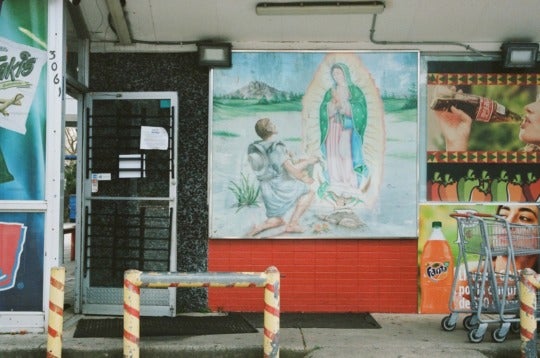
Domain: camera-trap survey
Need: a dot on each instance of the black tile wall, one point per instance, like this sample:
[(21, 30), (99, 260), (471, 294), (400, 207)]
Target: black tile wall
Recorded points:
[(179, 72)]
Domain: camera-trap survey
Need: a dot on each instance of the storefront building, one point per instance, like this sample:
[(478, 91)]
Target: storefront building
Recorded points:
[(169, 178)]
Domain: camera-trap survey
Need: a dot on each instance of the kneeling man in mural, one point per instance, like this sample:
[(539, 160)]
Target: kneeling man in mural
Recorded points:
[(284, 181)]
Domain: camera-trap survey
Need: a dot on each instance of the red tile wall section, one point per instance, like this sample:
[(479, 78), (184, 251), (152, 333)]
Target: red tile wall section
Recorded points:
[(321, 275)]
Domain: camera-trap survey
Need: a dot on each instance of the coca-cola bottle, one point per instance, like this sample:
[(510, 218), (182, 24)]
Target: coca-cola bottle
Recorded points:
[(478, 108)]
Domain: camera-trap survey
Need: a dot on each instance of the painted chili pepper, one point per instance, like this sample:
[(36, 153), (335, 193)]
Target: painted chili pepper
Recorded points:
[(499, 187), (531, 188), (481, 192), (515, 189), (466, 184), (448, 189), (433, 187)]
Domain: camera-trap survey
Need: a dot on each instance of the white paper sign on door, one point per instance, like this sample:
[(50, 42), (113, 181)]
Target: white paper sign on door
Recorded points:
[(154, 138)]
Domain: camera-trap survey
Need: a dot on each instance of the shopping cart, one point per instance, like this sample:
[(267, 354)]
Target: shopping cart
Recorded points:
[(524, 244), (486, 276)]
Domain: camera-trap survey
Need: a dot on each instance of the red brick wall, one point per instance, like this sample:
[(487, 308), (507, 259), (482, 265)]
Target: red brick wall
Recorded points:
[(321, 275)]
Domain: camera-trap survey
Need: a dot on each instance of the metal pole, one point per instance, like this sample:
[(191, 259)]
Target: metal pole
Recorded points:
[(132, 310), (56, 312), (134, 280), (202, 279), (271, 313), (527, 318)]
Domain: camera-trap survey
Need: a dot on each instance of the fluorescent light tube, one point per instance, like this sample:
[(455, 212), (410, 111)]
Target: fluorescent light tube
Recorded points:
[(320, 8)]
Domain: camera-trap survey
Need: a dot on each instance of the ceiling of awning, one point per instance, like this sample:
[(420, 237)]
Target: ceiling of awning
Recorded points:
[(179, 24)]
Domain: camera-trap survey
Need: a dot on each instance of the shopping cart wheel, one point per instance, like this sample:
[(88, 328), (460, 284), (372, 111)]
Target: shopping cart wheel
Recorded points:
[(468, 323), (515, 327), (497, 336), (474, 338), (447, 324)]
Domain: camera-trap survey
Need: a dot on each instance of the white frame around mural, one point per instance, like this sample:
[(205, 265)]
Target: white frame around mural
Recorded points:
[(298, 92)]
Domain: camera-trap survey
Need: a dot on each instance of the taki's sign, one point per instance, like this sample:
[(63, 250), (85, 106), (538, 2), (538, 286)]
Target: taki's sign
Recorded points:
[(20, 69)]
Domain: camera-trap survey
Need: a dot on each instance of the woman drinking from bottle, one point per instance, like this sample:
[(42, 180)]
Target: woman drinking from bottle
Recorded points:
[(456, 127)]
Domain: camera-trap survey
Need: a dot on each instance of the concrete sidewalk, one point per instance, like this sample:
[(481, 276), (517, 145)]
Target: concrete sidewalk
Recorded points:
[(401, 335)]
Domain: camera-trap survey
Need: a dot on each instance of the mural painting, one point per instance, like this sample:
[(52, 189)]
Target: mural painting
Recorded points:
[(314, 144)]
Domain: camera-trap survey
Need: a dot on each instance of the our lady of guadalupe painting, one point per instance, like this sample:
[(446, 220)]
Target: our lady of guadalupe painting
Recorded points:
[(314, 145)]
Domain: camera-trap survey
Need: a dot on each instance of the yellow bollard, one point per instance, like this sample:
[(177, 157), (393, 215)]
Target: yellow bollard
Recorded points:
[(134, 280), (56, 312), (271, 313), (527, 308), (132, 308)]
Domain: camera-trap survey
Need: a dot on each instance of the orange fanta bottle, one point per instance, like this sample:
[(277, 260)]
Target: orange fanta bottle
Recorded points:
[(436, 272)]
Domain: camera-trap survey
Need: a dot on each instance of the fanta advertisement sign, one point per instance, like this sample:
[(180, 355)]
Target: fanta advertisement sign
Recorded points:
[(437, 271), (12, 238)]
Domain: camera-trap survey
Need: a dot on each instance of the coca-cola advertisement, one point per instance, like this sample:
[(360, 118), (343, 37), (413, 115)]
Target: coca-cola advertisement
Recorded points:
[(483, 133)]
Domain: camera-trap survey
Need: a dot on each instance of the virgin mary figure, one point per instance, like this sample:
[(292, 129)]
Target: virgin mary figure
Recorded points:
[(343, 120), (343, 123)]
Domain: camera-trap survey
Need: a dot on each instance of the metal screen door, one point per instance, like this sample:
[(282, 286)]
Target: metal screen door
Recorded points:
[(128, 198)]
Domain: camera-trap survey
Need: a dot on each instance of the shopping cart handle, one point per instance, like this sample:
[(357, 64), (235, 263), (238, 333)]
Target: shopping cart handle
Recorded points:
[(472, 214)]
